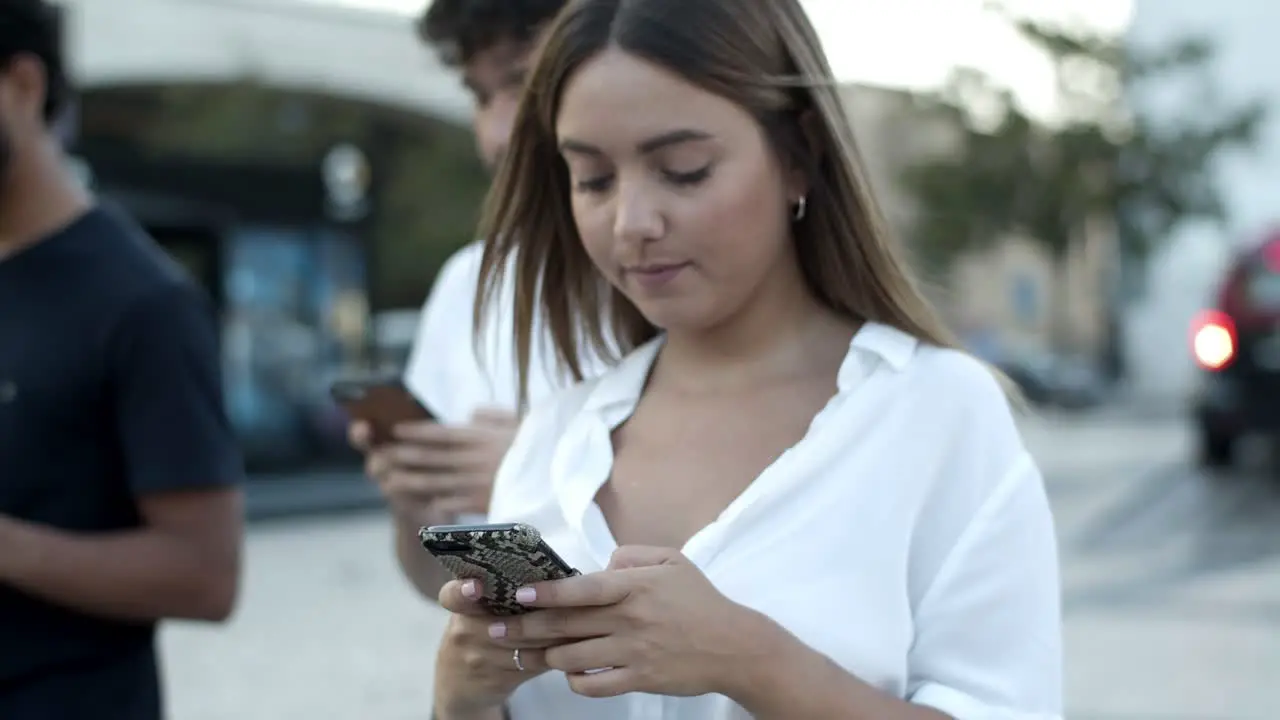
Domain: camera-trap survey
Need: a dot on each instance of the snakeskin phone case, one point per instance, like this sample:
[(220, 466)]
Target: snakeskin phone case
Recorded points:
[(504, 558)]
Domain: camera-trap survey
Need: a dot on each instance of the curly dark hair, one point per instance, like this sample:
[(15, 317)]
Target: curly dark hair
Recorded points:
[(34, 27), (459, 29)]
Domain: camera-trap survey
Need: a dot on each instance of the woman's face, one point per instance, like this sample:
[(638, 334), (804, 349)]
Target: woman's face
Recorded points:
[(680, 201)]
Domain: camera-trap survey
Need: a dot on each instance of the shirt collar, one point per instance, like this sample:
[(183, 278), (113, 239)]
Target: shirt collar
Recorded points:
[(618, 391), (583, 458), (875, 344)]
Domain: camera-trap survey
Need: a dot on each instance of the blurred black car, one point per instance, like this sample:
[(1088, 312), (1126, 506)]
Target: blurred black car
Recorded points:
[(1237, 345), (1048, 380)]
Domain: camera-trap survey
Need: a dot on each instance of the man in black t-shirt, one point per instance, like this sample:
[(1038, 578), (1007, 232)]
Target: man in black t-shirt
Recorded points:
[(119, 474)]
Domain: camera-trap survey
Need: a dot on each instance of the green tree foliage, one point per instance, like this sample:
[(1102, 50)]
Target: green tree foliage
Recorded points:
[(427, 208), (1013, 174)]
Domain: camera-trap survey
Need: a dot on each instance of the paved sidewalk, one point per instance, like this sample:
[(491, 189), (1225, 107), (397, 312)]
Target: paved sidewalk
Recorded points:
[(327, 630), (1199, 646), (1211, 653)]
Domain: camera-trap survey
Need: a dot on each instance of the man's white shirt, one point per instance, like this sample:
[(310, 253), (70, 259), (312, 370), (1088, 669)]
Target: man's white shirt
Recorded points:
[(451, 373)]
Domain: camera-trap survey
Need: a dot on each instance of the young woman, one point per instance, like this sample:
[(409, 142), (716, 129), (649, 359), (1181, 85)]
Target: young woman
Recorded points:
[(792, 498)]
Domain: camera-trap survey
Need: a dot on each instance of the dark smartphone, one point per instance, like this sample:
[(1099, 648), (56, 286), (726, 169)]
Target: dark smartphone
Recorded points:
[(503, 557), (382, 403)]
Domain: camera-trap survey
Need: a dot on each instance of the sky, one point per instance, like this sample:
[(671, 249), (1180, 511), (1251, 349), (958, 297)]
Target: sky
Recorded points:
[(915, 44)]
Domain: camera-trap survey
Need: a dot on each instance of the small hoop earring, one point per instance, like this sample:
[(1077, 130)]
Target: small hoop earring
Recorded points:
[(802, 205)]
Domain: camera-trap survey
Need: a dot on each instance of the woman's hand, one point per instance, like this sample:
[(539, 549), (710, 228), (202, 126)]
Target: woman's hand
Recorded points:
[(653, 624), (475, 674)]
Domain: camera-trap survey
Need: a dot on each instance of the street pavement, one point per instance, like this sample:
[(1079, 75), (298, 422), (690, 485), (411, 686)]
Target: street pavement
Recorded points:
[(1171, 575), (1171, 584)]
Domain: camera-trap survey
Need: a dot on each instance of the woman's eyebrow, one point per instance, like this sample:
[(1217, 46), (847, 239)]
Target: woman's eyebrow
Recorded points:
[(646, 146)]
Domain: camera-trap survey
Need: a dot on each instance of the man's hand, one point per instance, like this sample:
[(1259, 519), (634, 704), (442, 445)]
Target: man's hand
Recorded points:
[(429, 475), (431, 472)]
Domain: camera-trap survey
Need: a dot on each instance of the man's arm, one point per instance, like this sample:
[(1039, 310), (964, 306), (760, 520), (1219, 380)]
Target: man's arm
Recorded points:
[(182, 464), (431, 475), (408, 514), (464, 464), (438, 475), (183, 564)]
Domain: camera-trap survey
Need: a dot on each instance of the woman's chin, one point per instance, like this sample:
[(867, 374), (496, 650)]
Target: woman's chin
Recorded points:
[(671, 317)]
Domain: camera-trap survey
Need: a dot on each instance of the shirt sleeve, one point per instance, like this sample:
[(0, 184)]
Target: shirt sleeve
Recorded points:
[(165, 370), (444, 326), (988, 640)]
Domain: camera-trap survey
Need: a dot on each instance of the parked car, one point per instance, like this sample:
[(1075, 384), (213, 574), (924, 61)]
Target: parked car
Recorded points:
[(1237, 346), (1049, 380)]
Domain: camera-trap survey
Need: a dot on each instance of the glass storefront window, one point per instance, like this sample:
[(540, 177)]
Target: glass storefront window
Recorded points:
[(294, 316)]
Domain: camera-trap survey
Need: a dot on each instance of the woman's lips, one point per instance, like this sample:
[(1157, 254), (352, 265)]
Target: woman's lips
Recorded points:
[(655, 276)]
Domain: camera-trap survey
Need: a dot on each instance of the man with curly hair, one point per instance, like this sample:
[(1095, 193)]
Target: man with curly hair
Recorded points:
[(436, 473)]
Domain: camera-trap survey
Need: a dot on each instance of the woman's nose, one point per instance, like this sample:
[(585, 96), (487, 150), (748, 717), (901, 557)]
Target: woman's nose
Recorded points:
[(637, 216)]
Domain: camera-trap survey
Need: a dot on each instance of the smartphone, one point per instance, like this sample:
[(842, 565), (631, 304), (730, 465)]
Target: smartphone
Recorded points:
[(503, 557), (382, 403)]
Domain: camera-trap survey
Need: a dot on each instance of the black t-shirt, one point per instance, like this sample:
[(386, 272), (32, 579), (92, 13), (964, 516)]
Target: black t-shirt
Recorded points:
[(110, 391)]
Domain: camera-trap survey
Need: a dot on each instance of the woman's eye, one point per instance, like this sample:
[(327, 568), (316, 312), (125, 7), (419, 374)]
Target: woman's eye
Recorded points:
[(594, 185), (688, 178)]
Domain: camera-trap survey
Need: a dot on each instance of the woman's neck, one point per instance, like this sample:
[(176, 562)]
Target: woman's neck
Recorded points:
[(780, 334)]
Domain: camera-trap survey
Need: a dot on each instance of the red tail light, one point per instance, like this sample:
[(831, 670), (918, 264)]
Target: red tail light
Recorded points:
[(1213, 340)]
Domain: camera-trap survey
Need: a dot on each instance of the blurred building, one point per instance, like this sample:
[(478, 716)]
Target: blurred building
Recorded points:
[(306, 162), (1002, 296)]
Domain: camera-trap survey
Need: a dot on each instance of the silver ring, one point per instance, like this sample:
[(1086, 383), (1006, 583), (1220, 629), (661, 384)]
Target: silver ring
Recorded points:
[(515, 657)]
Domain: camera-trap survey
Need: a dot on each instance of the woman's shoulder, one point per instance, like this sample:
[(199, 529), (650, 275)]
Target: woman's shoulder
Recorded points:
[(957, 429), (953, 380), (938, 376), (951, 402)]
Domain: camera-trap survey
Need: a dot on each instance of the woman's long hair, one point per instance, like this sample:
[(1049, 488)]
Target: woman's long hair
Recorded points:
[(763, 55)]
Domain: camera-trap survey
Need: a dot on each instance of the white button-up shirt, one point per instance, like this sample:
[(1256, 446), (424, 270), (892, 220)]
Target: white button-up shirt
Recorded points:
[(907, 536), (453, 376)]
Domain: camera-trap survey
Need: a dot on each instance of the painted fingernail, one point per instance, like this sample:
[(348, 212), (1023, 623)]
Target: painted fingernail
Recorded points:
[(469, 589), (498, 630), (526, 595)]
